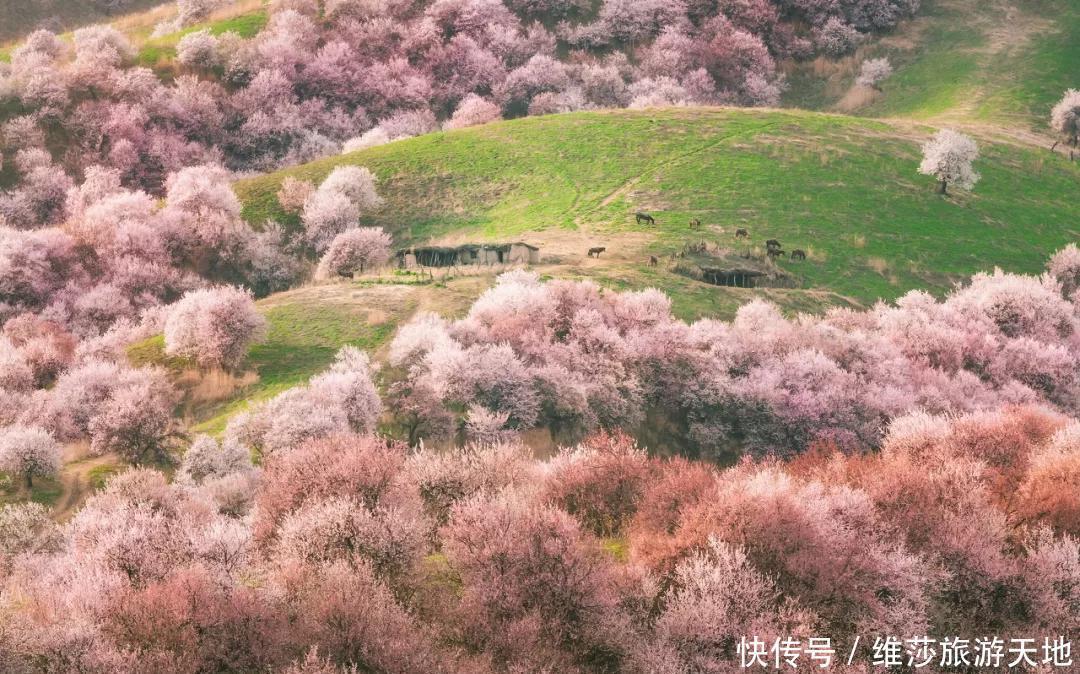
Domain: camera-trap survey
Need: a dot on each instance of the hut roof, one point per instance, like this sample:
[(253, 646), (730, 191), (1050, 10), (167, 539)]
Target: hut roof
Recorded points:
[(743, 272), (471, 247)]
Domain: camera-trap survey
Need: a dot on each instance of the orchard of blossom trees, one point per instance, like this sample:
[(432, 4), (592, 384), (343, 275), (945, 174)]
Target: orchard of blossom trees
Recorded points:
[(348, 553), (904, 471), (348, 74), (124, 266), (568, 356)]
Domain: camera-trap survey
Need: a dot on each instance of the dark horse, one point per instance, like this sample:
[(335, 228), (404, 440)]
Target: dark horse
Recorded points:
[(798, 254), (742, 234), (775, 253), (653, 261), (640, 217), (772, 243), (595, 252)]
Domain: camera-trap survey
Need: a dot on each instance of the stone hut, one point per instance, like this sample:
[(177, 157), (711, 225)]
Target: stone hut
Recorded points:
[(522, 253), (468, 254), (731, 278)]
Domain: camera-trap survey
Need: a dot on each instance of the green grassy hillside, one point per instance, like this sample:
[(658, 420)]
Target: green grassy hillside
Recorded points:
[(160, 52), (244, 17), (844, 189), (978, 61), (306, 327)]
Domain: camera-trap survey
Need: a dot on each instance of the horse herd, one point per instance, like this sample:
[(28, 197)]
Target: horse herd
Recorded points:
[(773, 247)]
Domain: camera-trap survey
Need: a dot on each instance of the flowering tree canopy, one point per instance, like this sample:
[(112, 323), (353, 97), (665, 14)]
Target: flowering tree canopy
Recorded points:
[(573, 358), (28, 452), (213, 326), (1065, 117), (308, 83), (354, 250), (873, 72), (948, 157)]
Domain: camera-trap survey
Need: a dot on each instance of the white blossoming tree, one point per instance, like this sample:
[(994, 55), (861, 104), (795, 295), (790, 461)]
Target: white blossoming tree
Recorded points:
[(874, 72), (29, 452), (949, 157), (1065, 119)]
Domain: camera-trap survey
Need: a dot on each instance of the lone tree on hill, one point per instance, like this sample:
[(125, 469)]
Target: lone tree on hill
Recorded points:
[(949, 156), (874, 72), (1065, 119)]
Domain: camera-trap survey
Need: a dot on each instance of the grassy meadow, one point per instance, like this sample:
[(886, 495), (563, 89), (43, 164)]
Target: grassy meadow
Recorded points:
[(966, 62), (844, 189)]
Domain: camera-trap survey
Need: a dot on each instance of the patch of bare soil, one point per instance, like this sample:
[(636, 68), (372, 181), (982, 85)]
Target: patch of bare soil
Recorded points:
[(213, 386), (368, 298), (1004, 24), (75, 477), (858, 96)]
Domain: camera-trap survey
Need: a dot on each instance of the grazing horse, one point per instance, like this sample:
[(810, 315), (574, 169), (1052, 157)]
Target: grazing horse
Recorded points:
[(345, 274), (695, 223), (595, 252), (772, 243), (798, 254), (640, 217), (742, 234), (775, 253), (653, 261)]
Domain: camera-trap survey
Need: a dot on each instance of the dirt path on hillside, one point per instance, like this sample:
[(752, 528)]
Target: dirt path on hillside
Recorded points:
[(75, 478), (1005, 26)]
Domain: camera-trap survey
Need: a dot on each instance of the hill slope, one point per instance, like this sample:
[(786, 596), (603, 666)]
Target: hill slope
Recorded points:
[(1000, 62), (19, 17), (844, 189)]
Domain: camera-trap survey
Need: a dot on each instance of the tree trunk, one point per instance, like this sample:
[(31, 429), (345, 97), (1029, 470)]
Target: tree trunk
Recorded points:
[(943, 187), (29, 480)]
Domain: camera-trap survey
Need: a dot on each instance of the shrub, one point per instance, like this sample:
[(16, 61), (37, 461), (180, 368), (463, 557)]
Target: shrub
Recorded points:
[(836, 37), (293, 193), (1065, 117), (136, 422), (337, 205), (354, 250), (473, 110), (214, 326), (873, 72), (198, 50), (28, 452)]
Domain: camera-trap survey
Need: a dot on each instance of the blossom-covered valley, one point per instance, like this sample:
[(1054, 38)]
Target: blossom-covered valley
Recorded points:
[(479, 336)]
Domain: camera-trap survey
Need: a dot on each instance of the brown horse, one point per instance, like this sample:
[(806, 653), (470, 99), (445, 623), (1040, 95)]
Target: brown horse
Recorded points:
[(653, 261), (595, 252), (742, 234), (775, 253), (772, 243), (641, 217), (798, 254)]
